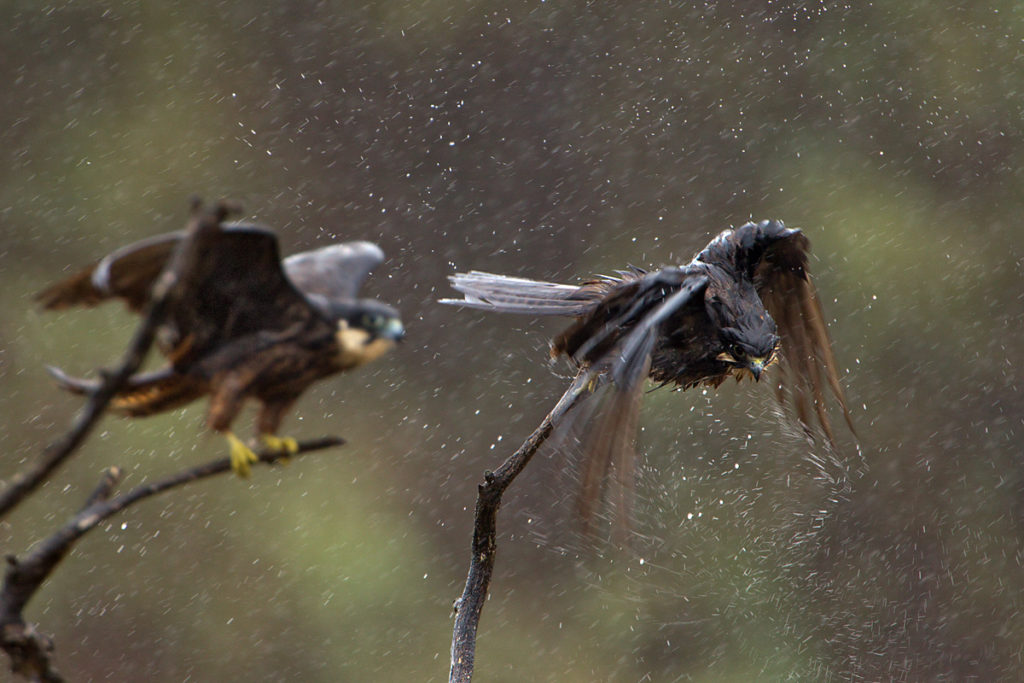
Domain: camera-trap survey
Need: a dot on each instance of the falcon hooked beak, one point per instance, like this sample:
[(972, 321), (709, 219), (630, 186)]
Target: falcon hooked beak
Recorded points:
[(742, 364), (756, 367)]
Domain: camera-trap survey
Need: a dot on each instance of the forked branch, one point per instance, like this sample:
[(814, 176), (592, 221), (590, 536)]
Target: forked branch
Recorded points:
[(30, 651)]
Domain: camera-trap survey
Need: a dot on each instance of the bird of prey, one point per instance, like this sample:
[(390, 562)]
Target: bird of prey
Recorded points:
[(743, 303), (243, 324)]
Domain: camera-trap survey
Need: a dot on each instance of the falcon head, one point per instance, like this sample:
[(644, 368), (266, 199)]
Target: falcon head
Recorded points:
[(367, 329), (748, 337)]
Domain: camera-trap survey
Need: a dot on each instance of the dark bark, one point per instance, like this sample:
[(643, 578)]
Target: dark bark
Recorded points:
[(485, 522), (30, 651)]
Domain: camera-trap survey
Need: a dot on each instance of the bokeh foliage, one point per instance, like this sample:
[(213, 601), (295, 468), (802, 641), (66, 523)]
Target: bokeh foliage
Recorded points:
[(554, 140)]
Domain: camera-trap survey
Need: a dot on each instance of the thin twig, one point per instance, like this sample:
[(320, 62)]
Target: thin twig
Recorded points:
[(111, 478), (181, 261), (219, 466), (485, 522), (30, 651)]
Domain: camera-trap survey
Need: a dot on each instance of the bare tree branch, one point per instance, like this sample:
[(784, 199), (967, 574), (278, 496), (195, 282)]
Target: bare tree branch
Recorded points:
[(178, 266), (30, 651), (111, 478), (485, 522)]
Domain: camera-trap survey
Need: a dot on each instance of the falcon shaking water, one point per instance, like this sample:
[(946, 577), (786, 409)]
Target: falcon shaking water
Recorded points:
[(742, 304)]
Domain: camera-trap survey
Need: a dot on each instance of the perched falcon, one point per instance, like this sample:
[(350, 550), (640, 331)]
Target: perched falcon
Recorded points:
[(244, 324), (742, 304)]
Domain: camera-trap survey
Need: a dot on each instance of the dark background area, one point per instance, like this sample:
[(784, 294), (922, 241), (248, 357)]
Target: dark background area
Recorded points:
[(551, 140)]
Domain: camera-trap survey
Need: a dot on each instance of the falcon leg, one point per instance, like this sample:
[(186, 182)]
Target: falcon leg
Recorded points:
[(226, 400), (242, 456), (269, 420)]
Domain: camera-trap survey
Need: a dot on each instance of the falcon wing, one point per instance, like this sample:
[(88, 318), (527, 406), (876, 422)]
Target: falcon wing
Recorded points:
[(628, 305), (237, 288), (777, 259), (127, 273), (611, 444), (335, 272), (504, 294)]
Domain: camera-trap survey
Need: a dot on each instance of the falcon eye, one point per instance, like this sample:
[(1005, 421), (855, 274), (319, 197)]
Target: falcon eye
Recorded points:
[(737, 351), (373, 321)]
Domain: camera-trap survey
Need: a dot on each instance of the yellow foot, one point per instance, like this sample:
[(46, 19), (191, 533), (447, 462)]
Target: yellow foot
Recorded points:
[(242, 456), (285, 445)]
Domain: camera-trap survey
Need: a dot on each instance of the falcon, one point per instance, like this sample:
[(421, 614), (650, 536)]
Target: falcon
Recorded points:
[(242, 325), (743, 304)]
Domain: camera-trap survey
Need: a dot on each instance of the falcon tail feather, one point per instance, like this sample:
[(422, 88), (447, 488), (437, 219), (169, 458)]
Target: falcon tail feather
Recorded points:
[(143, 394)]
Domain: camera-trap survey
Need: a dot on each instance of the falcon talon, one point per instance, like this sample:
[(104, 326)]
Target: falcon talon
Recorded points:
[(278, 444), (283, 447), (242, 457)]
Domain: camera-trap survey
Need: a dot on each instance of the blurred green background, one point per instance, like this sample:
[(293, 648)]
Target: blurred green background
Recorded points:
[(551, 140)]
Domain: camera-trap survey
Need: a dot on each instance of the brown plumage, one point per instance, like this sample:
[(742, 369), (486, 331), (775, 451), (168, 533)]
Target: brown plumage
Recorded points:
[(242, 324), (744, 303)]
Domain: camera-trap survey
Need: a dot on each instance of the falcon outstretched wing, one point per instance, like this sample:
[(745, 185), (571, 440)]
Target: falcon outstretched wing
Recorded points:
[(236, 289), (335, 272), (611, 445), (776, 257), (127, 273), (505, 294)]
